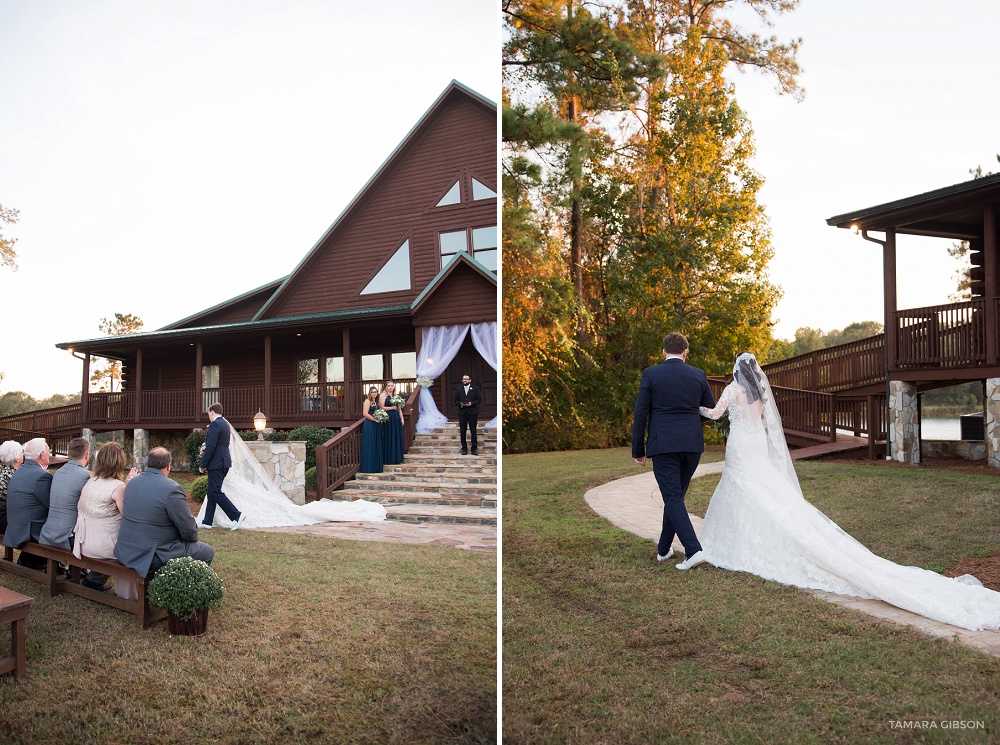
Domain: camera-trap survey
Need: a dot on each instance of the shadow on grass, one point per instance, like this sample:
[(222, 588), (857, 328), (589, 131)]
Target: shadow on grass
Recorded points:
[(603, 645), (318, 640)]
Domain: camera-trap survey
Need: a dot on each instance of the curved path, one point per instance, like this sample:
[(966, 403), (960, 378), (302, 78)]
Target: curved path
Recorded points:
[(633, 504)]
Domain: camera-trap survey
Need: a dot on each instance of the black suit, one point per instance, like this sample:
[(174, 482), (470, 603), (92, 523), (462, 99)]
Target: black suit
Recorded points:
[(468, 416), (669, 396), (217, 460)]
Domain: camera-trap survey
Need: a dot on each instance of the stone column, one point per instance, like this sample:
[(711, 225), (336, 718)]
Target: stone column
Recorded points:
[(140, 448), (904, 427), (91, 436), (991, 422)]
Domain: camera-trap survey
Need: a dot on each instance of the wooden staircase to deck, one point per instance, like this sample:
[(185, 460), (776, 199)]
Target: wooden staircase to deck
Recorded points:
[(435, 483)]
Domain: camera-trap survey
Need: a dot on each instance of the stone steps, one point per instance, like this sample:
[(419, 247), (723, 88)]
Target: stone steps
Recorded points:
[(413, 513), (435, 484)]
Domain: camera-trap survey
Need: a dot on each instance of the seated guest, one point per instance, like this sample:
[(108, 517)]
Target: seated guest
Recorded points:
[(11, 457), (100, 515), (28, 500), (67, 483), (157, 525)]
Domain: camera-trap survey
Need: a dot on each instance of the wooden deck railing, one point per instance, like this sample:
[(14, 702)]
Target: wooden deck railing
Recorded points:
[(60, 419), (845, 366), (58, 444), (941, 335), (339, 458), (823, 414)]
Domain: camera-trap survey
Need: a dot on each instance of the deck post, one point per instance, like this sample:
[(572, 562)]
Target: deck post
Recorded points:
[(269, 410), (990, 248), (991, 422), (889, 280), (137, 385), (198, 409), (904, 422)]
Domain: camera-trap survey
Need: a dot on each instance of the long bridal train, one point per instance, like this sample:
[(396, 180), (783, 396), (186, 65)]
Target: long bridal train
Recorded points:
[(266, 506), (759, 522)]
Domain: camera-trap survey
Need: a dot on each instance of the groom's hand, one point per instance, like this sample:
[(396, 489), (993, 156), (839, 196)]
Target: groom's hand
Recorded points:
[(641, 461)]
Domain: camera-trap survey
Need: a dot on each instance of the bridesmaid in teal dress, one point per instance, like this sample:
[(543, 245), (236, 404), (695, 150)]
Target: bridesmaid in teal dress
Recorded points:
[(371, 435), (392, 430)]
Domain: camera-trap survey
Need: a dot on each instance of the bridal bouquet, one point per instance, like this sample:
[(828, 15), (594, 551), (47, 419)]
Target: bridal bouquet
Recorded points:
[(380, 416), (722, 424), (397, 401)]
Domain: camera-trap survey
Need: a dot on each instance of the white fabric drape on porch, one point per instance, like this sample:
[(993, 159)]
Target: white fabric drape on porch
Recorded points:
[(438, 348)]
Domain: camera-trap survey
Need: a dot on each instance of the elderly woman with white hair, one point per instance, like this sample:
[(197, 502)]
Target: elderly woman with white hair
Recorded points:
[(11, 456), (28, 501)]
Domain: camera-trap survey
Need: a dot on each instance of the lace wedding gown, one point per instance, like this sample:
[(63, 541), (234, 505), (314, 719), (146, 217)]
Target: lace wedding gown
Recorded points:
[(266, 506), (759, 522)]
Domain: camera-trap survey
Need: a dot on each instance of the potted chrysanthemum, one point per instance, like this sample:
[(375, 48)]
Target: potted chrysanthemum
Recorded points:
[(186, 588)]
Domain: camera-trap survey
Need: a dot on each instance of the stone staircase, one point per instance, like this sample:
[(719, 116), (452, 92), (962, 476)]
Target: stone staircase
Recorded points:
[(434, 483)]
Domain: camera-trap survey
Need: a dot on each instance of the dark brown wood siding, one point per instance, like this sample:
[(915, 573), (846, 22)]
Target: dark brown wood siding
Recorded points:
[(465, 296), (242, 310), (459, 140)]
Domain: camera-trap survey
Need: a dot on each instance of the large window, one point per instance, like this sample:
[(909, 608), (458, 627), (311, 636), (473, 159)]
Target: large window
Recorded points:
[(211, 376), (480, 243), (309, 371), (334, 369), (371, 367), (394, 274), (404, 365)]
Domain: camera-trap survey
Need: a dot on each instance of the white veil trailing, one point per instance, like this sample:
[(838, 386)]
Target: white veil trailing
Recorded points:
[(266, 506), (756, 402)]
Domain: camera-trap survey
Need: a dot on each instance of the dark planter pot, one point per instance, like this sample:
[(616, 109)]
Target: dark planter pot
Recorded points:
[(197, 625)]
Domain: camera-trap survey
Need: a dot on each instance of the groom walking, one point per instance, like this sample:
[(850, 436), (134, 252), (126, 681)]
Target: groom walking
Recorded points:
[(216, 459), (669, 396)]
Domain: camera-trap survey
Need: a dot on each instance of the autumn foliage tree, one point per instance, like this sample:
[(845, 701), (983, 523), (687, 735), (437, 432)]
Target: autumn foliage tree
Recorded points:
[(630, 206)]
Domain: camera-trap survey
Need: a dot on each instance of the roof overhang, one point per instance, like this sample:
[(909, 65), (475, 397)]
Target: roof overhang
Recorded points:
[(954, 212), (118, 347), (460, 259)]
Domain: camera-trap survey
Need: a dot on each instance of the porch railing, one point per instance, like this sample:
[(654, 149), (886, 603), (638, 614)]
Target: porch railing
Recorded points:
[(58, 444), (60, 419), (941, 335), (845, 366)]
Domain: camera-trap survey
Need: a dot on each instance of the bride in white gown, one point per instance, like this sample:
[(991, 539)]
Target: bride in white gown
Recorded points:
[(266, 506), (759, 522)]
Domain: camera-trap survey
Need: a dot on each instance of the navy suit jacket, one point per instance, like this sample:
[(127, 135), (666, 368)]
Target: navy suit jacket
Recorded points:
[(667, 419), (27, 503), (216, 453)]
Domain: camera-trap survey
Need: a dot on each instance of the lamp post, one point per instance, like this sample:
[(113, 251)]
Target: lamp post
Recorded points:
[(259, 422)]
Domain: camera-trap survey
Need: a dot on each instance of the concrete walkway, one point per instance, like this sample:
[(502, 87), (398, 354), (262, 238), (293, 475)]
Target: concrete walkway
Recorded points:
[(634, 504)]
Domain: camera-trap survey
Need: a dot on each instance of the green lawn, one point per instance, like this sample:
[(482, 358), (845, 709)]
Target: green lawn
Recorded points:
[(318, 640), (601, 644)]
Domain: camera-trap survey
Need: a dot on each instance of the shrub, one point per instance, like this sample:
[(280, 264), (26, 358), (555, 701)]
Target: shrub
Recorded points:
[(192, 446), (184, 586), (199, 488), (311, 479), (248, 435), (277, 435), (313, 436)]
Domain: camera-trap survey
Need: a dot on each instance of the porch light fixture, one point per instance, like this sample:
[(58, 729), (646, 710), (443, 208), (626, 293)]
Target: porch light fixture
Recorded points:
[(259, 422)]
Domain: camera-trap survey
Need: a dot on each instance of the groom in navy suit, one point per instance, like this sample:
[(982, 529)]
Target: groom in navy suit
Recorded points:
[(217, 460), (669, 396)]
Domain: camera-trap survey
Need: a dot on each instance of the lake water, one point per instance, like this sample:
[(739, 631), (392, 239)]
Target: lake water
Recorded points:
[(940, 429)]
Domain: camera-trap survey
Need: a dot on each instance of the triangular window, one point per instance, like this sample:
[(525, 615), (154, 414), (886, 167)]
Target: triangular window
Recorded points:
[(394, 275), (482, 191), (454, 196)]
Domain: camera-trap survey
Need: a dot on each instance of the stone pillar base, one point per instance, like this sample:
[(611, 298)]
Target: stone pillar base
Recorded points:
[(991, 422), (91, 438), (904, 427), (140, 448)]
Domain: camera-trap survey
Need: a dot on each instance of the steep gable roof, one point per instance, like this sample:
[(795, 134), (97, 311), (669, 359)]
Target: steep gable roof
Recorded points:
[(453, 93), (243, 307)]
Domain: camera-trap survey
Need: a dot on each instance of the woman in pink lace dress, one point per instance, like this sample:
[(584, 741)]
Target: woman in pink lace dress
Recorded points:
[(99, 512)]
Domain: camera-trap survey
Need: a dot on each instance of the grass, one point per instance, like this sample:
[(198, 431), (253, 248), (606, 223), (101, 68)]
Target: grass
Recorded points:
[(318, 640), (602, 645)]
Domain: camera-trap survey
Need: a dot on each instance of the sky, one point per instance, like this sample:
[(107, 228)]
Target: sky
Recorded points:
[(166, 156), (902, 97)]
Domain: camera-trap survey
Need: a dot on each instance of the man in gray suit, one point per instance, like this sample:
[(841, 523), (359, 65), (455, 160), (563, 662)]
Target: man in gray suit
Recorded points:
[(67, 483), (157, 525), (28, 500)]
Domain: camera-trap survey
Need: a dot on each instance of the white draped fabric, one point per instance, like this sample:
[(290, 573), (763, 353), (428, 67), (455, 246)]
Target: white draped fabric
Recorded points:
[(484, 339), (253, 492), (438, 348)]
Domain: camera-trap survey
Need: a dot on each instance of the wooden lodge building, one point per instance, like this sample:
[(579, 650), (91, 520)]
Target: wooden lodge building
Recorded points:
[(922, 348), (416, 249)]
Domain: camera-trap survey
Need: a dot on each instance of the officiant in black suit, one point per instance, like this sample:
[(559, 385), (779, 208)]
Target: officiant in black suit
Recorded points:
[(668, 429), (467, 399)]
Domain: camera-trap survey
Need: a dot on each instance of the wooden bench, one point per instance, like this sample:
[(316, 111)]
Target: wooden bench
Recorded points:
[(14, 608), (146, 613)]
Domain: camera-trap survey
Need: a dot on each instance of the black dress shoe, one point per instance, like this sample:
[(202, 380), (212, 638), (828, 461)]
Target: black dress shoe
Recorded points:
[(95, 586), (464, 451), (475, 452)]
